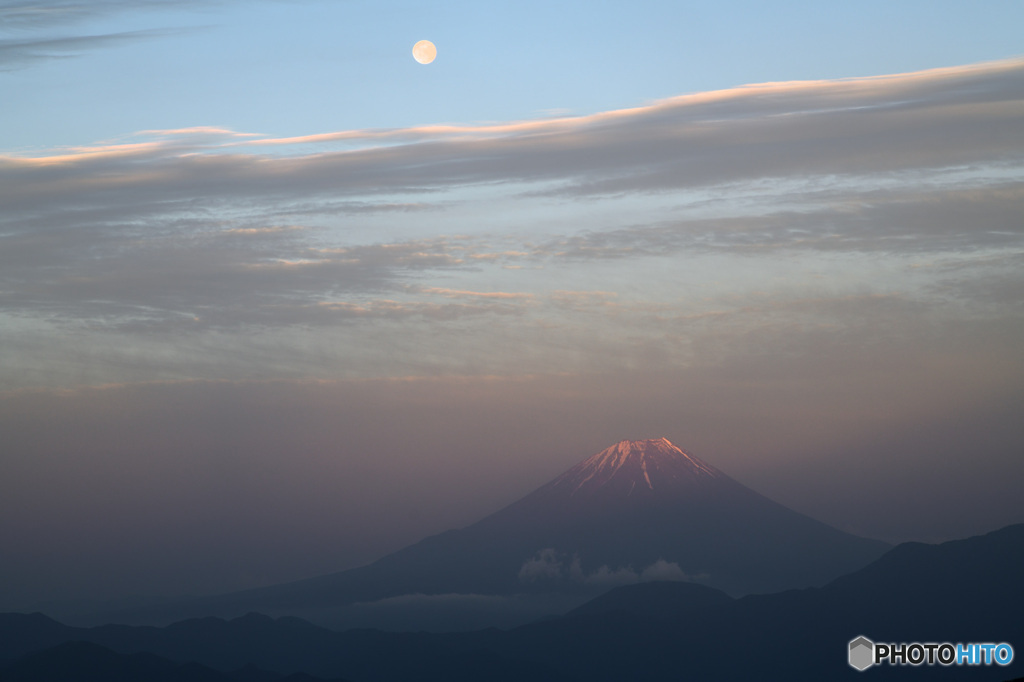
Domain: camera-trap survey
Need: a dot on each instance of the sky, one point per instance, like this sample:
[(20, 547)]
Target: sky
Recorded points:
[(275, 299)]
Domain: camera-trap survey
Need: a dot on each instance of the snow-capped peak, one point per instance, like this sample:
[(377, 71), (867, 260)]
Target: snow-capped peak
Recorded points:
[(636, 465)]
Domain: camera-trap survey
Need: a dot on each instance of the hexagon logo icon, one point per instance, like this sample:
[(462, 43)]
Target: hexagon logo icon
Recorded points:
[(862, 653)]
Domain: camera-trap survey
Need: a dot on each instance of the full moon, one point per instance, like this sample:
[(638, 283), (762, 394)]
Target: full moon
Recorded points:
[(424, 52)]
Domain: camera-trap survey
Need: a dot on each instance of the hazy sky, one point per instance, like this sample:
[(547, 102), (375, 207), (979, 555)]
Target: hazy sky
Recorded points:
[(276, 299)]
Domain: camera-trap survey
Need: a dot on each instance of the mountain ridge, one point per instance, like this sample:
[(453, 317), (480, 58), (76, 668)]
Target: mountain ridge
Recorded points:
[(651, 631)]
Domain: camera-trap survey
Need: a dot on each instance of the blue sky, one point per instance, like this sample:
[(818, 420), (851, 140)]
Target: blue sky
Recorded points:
[(292, 68), (257, 262)]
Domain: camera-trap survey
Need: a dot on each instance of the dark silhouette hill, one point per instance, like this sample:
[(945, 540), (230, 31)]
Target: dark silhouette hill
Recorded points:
[(637, 511), (87, 662), (960, 591)]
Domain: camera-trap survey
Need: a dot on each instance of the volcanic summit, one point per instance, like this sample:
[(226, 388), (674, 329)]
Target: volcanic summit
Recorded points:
[(637, 467)]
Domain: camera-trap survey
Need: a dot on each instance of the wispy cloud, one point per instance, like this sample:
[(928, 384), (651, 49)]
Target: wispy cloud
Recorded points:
[(935, 119), (462, 293), (18, 53), (44, 30), (44, 13), (907, 221)]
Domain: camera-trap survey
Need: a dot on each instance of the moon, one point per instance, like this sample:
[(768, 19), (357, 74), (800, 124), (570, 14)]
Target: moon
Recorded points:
[(424, 52)]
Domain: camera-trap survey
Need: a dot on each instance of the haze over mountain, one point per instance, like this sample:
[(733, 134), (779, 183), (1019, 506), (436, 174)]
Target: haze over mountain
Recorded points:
[(960, 591), (637, 511)]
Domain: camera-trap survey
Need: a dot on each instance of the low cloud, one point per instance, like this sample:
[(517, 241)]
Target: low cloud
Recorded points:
[(663, 570), (550, 565), (546, 565), (606, 577)]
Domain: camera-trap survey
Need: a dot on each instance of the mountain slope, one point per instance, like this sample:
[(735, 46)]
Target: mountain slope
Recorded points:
[(639, 510), (639, 502)]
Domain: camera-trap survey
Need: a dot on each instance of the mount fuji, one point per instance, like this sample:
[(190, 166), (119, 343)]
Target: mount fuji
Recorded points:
[(646, 505), (639, 510)]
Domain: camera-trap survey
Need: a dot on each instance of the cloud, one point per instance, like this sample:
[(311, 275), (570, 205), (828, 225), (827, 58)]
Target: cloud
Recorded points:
[(606, 577), (664, 570), (16, 54), (663, 235), (909, 221), (40, 13), (40, 19), (546, 565), (934, 119), (549, 565), (258, 273), (462, 293)]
